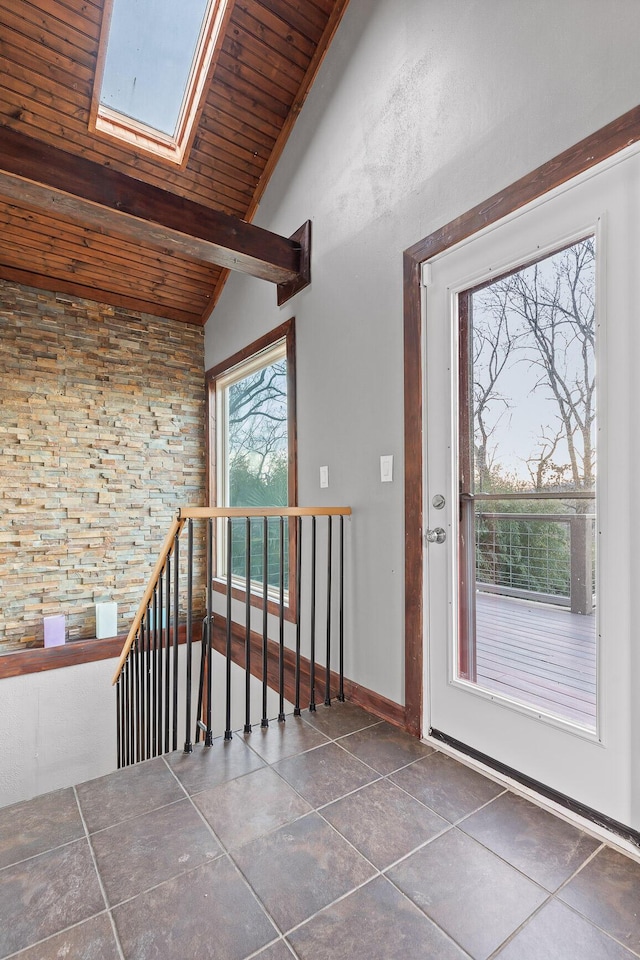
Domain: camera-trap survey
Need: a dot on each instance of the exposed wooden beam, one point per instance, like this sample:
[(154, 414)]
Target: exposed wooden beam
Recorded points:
[(50, 179)]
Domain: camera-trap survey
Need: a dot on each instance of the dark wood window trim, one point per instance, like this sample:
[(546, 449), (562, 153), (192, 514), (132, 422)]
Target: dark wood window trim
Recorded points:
[(286, 331), (579, 158)]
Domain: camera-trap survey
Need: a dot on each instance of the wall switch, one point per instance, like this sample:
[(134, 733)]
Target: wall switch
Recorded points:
[(324, 476), (386, 469)]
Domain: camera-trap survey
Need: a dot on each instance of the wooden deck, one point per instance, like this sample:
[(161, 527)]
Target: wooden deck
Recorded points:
[(541, 654)]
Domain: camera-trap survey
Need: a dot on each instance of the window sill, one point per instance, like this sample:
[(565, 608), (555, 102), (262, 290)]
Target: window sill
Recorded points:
[(273, 606)]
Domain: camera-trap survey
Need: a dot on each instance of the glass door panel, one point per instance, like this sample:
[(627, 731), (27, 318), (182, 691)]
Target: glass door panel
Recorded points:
[(527, 475)]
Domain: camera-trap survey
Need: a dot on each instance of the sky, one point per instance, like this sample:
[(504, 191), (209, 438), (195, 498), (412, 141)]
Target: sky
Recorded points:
[(149, 54)]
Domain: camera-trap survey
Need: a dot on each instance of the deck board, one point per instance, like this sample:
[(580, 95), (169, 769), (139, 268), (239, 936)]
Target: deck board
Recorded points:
[(540, 654)]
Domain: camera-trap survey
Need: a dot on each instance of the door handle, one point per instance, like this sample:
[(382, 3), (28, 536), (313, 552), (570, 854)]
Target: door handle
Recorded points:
[(437, 535)]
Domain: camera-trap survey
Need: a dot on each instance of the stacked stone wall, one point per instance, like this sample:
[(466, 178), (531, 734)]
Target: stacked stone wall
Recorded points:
[(102, 438)]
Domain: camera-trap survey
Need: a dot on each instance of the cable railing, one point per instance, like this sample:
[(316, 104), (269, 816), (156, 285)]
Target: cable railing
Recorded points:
[(546, 557), (260, 590)]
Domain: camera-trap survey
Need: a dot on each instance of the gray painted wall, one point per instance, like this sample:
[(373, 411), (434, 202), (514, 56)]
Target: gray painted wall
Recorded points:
[(421, 110)]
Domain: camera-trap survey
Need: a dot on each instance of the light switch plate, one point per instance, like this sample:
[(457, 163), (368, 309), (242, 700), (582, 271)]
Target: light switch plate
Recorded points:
[(324, 477), (386, 469)]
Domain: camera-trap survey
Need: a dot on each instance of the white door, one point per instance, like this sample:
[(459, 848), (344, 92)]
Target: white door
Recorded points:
[(531, 362)]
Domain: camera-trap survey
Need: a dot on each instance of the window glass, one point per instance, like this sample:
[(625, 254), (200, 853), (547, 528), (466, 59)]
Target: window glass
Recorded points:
[(527, 484), (253, 461), (150, 51)]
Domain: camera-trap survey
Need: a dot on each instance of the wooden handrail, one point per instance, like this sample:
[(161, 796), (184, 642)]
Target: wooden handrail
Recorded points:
[(197, 513), (193, 513), (152, 670), (176, 527)]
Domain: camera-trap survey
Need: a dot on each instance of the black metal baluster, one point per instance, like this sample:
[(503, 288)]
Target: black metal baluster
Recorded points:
[(200, 726), (265, 590), (327, 680), (136, 686), (281, 716), (160, 660), (312, 667), (127, 715), (208, 740), (341, 690), (119, 721), (147, 677), (154, 676), (176, 627), (247, 627), (132, 722), (296, 708), (188, 744), (227, 729), (167, 662)]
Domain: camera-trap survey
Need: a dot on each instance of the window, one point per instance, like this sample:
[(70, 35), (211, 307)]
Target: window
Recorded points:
[(156, 56), (252, 436)]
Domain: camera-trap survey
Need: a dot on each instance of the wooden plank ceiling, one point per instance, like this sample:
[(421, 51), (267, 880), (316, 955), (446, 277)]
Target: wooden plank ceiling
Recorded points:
[(267, 60)]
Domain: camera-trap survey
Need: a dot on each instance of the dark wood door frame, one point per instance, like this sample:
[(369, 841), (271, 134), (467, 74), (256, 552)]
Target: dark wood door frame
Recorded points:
[(595, 148)]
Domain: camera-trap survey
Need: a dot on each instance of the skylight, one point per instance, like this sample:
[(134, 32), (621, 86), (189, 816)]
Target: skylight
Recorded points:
[(156, 61)]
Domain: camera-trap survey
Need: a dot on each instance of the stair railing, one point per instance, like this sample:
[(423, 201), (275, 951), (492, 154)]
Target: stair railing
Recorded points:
[(262, 552)]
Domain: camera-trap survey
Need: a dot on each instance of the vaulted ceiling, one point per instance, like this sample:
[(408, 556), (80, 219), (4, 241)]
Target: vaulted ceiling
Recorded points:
[(84, 214)]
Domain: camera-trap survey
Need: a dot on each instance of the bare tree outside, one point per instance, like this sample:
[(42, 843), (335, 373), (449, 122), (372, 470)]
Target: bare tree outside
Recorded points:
[(534, 337), (492, 346), (257, 465), (534, 418), (257, 425)]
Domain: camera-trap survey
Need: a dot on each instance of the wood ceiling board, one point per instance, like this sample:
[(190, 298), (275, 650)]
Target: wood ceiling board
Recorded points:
[(25, 54), (72, 267), (243, 43), (58, 285), (269, 29), (301, 16), (78, 47), (256, 54), (65, 20), (268, 108), (241, 106), (228, 130), (269, 92), (269, 58)]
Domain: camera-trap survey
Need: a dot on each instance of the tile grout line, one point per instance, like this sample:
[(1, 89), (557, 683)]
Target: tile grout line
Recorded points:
[(377, 871), (41, 853), (316, 810), (37, 943), (227, 852), (102, 889), (603, 846), (383, 872), (495, 953)]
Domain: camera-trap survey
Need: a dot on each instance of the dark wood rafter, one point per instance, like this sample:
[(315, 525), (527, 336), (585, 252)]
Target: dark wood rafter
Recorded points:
[(606, 142), (49, 179)]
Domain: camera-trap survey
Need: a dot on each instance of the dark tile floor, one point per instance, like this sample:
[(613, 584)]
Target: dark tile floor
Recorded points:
[(327, 837)]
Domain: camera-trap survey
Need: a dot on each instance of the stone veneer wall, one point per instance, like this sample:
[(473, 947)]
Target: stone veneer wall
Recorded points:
[(102, 437)]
